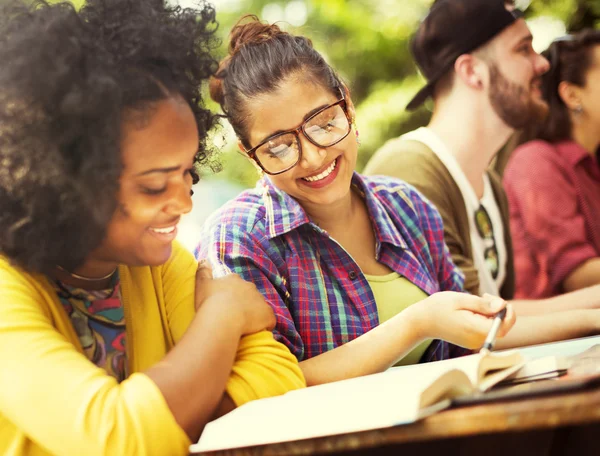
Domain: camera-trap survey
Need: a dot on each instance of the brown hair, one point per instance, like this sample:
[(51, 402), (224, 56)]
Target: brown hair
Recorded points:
[(261, 56), (570, 59)]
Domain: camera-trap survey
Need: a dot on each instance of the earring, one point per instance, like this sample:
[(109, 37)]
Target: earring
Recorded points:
[(356, 131), (578, 109)]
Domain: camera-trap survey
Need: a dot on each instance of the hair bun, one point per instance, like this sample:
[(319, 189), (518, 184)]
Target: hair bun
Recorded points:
[(215, 83), (250, 30)]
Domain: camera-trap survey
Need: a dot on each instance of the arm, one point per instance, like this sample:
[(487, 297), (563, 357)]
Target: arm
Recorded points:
[(59, 399), (552, 327), (379, 348), (262, 366), (585, 275), (583, 299)]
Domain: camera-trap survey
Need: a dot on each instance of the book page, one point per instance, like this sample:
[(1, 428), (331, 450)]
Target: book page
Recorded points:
[(476, 366), (398, 396), (370, 402)]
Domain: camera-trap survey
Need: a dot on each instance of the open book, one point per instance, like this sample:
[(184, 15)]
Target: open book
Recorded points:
[(398, 396)]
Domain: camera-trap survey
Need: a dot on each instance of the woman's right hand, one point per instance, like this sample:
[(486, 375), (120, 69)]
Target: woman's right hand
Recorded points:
[(461, 318), (234, 296)]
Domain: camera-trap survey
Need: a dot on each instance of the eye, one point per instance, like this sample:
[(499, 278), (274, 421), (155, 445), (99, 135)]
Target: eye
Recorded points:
[(280, 147), (153, 191)]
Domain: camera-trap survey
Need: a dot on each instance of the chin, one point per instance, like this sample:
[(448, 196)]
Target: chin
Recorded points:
[(156, 257)]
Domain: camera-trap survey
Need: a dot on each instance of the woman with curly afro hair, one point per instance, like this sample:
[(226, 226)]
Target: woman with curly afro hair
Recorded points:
[(113, 340)]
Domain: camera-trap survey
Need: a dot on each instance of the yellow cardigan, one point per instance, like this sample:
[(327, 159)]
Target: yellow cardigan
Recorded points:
[(53, 400)]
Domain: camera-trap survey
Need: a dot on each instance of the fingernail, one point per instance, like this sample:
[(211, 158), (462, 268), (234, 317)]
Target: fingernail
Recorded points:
[(497, 304)]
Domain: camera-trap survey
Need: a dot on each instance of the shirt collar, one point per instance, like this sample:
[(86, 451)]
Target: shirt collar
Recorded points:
[(573, 152), (284, 213)]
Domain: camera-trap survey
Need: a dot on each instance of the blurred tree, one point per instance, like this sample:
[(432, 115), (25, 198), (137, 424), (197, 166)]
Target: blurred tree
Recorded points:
[(366, 41)]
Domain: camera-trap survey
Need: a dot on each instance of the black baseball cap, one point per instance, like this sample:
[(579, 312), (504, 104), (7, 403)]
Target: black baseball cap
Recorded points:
[(453, 28)]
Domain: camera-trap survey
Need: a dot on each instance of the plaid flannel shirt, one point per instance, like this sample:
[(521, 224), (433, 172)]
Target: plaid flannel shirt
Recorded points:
[(320, 297)]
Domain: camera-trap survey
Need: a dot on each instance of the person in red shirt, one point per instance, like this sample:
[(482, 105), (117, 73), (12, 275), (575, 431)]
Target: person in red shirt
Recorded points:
[(553, 179)]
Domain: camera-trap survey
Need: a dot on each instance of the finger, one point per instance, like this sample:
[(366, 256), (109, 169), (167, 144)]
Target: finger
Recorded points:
[(204, 270), (508, 322), (496, 302), (487, 305)]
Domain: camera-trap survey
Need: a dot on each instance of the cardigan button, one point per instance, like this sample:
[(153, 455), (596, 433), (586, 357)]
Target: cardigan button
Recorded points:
[(352, 275)]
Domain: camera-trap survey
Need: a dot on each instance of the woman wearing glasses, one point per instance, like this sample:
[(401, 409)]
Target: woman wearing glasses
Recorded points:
[(553, 179), (102, 351), (347, 262)]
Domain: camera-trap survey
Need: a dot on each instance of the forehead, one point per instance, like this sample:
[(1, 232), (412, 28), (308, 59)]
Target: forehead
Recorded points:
[(285, 108), (516, 33), (595, 61), (150, 138)]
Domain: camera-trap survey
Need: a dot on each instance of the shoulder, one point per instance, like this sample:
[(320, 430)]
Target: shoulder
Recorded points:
[(180, 259), (398, 195), (398, 151), (245, 212), (19, 287), (10, 273), (534, 158), (531, 152)]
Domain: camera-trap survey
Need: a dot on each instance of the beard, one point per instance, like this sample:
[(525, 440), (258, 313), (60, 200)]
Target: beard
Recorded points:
[(515, 104)]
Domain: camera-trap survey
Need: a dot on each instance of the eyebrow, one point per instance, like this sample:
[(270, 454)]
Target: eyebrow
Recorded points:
[(159, 170), (525, 39), (306, 116)]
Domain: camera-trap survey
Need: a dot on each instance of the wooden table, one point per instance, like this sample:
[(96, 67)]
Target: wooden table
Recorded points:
[(560, 424)]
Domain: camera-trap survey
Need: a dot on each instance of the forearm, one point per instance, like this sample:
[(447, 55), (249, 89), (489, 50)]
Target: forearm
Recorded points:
[(193, 375), (541, 329), (585, 275), (370, 353), (586, 298)]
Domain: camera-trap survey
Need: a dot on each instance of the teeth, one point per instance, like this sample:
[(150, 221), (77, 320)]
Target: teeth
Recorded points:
[(164, 230), (323, 175)]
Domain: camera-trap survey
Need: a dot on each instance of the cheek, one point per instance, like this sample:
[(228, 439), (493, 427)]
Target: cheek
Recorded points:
[(133, 218)]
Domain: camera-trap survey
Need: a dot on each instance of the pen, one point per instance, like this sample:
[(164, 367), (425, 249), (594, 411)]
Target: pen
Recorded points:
[(488, 345)]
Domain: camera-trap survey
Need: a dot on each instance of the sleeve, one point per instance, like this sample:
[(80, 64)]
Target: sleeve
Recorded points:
[(229, 249), (263, 367), (545, 198), (398, 159), (449, 275), (178, 277), (53, 394)]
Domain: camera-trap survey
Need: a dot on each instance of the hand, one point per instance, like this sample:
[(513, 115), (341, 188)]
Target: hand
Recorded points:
[(234, 296), (461, 318)]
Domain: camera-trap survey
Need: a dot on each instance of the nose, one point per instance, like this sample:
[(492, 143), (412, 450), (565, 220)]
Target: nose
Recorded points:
[(542, 64), (181, 200), (312, 156)]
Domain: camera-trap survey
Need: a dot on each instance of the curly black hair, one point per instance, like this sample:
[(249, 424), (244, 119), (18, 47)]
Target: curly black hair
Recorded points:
[(68, 80)]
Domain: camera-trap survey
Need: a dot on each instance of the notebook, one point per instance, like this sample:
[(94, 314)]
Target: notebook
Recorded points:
[(397, 396)]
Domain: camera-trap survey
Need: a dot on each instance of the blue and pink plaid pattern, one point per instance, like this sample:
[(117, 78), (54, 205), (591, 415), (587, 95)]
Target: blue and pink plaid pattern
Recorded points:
[(320, 296)]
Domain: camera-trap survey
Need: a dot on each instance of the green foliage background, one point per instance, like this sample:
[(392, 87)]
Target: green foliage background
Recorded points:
[(366, 41)]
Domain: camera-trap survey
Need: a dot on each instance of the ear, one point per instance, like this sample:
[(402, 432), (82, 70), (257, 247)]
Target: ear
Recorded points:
[(241, 147), (243, 152), (570, 94), (471, 71), (349, 104)]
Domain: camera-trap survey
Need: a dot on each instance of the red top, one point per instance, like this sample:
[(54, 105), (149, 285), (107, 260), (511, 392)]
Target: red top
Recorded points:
[(554, 196)]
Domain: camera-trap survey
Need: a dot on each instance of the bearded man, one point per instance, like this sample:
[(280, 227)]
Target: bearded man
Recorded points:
[(484, 77)]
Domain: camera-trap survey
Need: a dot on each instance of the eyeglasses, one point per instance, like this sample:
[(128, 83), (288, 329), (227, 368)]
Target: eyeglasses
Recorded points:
[(282, 151), (486, 231)]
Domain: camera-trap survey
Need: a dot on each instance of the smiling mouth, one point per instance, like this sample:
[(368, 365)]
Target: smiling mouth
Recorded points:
[(167, 230), (323, 174)]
